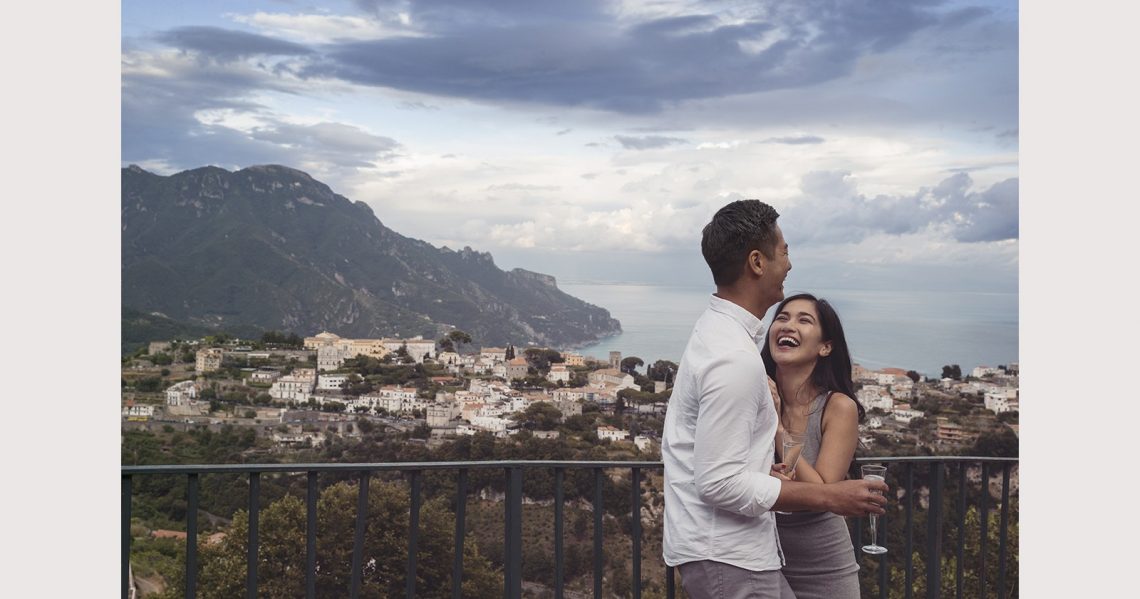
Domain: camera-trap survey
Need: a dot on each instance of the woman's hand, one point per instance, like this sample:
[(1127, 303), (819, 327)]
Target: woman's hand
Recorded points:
[(775, 394), (778, 472)]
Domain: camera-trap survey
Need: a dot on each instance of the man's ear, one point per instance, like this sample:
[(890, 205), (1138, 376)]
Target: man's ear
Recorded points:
[(756, 262)]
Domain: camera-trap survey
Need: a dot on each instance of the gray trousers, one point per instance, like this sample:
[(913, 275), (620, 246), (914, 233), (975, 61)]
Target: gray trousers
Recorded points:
[(707, 579)]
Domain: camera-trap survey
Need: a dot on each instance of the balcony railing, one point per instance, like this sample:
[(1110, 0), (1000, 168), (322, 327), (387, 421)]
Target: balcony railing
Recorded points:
[(933, 468)]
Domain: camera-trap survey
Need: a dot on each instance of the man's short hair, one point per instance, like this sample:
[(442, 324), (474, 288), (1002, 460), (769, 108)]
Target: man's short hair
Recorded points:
[(734, 231)]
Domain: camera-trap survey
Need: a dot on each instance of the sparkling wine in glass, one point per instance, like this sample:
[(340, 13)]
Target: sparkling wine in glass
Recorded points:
[(791, 445), (874, 472)]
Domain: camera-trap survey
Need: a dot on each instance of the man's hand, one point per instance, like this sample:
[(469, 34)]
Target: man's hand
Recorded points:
[(775, 393), (856, 497)]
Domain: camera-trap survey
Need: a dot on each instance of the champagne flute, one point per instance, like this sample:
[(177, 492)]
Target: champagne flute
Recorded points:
[(792, 445), (874, 472)]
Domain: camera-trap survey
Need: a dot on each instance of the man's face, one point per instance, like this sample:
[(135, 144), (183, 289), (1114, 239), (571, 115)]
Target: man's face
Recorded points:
[(775, 271)]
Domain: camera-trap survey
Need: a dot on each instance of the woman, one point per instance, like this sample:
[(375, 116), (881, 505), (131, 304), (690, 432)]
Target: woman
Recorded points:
[(806, 355)]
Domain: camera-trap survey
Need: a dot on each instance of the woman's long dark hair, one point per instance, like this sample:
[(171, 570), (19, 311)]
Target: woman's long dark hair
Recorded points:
[(833, 371)]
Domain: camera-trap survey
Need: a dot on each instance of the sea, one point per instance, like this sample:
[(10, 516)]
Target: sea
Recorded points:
[(912, 330)]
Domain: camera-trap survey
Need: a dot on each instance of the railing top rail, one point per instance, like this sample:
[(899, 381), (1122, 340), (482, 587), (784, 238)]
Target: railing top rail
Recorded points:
[(409, 466), (936, 458)]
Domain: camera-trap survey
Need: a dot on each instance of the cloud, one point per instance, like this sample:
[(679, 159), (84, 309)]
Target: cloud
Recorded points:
[(796, 140), (337, 143), (417, 105), (630, 64), (521, 187), (832, 211), (648, 142), (181, 113), (228, 44)]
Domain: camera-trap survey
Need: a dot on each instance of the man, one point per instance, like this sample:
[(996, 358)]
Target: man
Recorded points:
[(720, 428)]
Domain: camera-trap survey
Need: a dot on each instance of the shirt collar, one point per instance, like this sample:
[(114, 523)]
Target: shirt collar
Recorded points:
[(755, 327)]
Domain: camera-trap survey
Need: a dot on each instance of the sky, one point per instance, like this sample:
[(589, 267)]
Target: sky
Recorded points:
[(592, 140)]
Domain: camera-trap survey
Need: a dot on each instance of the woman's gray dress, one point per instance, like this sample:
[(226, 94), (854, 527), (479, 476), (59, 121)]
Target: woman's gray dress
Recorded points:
[(817, 545)]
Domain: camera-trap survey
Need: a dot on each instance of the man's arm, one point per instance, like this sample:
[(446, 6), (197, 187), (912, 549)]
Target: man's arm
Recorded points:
[(846, 497), (730, 396)]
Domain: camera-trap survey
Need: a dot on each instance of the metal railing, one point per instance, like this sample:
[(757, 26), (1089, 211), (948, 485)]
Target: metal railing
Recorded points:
[(513, 516)]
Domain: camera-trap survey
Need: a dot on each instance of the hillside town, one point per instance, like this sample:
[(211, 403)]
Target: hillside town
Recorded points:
[(299, 394)]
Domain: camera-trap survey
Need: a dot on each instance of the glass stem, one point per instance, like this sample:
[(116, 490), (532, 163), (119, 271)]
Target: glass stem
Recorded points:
[(874, 529)]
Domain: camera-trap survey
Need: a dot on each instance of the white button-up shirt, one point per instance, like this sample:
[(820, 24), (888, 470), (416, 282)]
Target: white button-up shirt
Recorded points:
[(717, 447)]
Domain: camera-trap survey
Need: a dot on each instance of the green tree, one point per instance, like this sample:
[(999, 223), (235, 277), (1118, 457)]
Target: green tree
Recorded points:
[(281, 553), (459, 338), (630, 364), (952, 371), (445, 344), (999, 442), (541, 415)]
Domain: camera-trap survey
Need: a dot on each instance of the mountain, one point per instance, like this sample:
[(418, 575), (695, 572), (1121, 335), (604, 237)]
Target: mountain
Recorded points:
[(272, 248)]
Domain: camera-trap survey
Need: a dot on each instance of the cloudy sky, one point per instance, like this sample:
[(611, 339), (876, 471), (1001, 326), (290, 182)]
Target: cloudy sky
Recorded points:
[(592, 140)]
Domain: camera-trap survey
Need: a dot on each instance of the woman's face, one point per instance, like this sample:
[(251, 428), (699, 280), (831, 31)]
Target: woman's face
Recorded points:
[(796, 335)]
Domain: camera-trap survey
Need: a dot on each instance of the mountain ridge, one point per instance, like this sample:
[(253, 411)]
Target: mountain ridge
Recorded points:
[(269, 246)]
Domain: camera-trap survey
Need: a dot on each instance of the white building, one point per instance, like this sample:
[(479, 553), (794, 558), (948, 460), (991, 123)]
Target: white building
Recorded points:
[(983, 371), (330, 357), (611, 433), (294, 387), (140, 411), (558, 372), (439, 415), (181, 394), (874, 396), (208, 360), (449, 358), (417, 347), (904, 413), (495, 354), (611, 376), (264, 376), (492, 424), (1004, 400), (642, 442), (331, 382)]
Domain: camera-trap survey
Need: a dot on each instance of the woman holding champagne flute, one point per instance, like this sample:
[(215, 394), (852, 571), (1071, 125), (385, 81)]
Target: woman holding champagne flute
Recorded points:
[(806, 355)]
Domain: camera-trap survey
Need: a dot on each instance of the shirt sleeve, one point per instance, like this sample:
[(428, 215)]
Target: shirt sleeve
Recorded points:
[(729, 402)]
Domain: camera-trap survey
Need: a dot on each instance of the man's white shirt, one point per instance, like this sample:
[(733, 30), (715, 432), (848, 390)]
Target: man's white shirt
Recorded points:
[(717, 447)]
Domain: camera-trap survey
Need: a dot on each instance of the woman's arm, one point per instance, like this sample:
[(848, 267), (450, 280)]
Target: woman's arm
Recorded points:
[(840, 430)]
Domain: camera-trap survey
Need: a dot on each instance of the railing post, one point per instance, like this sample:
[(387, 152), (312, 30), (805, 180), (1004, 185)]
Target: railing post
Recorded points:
[(192, 535), (559, 550), (670, 583), (125, 541), (934, 534), (908, 589), (460, 535), (513, 530), (413, 533), (311, 535), (984, 510), (358, 537), (884, 567), (635, 501), (598, 533), (1002, 538), (251, 546), (958, 569)]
